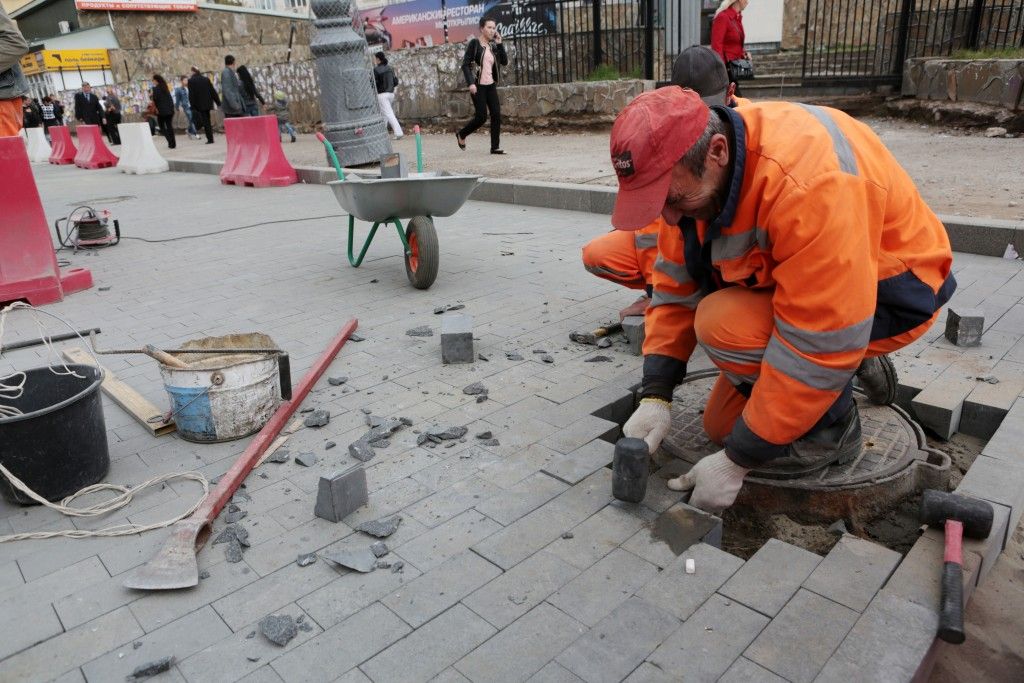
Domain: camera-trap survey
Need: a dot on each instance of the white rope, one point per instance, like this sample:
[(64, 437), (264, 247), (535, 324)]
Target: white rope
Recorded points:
[(125, 494)]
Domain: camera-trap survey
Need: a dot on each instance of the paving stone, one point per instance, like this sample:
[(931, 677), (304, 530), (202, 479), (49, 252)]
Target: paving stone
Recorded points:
[(423, 598), (940, 405), (597, 591), (430, 649), (520, 589), (853, 571), (457, 339), (581, 432), (450, 675), (888, 643), (707, 643), (506, 506), (553, 672), (282, 550), (771, 576), (577, 465), (442, 542), (522, 649), (745, 671), (997, 481), (341, 647), (619, 642), (987, 405), (351, 592), (917, 578), (341, 493), (360, 559), (633, 328), (452, 501), (180, 638), (989, 548), (254, 601), (511, 470), (810, 625), (648, 673), (380, 528), (73, 648), (599, 535), (1005, 443), (681, 593), (964, 326)]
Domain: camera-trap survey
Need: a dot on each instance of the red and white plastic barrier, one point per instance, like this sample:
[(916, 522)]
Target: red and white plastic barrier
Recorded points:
[(92, 151), (138, 153), (255, 156), (39, 150), (63, 149)]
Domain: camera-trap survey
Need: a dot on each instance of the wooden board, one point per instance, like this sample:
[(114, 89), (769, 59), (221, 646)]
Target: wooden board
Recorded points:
[(123, 395)]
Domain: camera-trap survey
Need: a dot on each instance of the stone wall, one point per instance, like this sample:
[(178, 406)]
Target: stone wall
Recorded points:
[(998, 82)]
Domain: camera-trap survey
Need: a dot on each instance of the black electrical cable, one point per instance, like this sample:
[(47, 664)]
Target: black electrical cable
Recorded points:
[(241, 227)]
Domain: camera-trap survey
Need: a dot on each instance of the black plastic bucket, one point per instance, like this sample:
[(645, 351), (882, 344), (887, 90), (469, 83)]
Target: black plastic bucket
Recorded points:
[(59, 444)]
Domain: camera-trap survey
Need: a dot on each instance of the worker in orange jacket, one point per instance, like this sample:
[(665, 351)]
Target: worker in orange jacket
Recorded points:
[(796, 252), (628, 259)]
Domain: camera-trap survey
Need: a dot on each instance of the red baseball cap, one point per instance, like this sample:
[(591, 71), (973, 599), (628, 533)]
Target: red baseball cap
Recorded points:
[(649, 137)]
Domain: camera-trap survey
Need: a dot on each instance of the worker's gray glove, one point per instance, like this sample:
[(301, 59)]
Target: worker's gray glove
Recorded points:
[(715, 480), (649, 422)]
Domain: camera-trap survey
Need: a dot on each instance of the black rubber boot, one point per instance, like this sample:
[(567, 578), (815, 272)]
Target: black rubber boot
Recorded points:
[(837, 444), (877, 377)]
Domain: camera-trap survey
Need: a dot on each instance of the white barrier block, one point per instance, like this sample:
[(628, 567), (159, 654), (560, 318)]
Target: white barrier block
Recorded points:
[(38, 148), (138, 153)]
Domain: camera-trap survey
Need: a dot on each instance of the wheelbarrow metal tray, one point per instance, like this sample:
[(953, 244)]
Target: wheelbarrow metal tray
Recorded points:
[(421, 194)]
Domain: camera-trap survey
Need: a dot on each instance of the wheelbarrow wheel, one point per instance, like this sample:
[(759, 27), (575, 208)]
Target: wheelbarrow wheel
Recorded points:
[(422, 263)]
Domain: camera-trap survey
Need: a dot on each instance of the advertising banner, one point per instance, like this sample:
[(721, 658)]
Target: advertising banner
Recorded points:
[(138, 5), (85, 60)]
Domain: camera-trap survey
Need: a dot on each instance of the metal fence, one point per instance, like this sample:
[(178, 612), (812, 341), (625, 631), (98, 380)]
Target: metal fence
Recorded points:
[(867, 41)]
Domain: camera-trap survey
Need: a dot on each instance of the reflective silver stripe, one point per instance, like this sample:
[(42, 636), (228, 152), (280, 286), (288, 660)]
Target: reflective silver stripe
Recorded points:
[(728, 247), (646, 240), (739, 379), (676, 271), (850, 338), (847, 161), (601, 271), (732, 355), (663, 298), (790, 363)]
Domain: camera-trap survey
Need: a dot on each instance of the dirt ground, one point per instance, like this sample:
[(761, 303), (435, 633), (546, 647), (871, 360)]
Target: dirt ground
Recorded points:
[(956, 171)]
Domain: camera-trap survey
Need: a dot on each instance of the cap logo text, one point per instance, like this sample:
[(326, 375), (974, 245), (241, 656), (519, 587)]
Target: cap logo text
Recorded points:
[(623, 164)]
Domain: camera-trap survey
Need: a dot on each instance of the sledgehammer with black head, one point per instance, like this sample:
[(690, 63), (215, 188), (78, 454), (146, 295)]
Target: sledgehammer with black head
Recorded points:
[(961, 516)]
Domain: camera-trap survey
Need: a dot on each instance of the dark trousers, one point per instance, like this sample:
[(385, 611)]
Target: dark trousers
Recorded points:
[(485, 100), (167, 128), (201, 119), (113, 135)]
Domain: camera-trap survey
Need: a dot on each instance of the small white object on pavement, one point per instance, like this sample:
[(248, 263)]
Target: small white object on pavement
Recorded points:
[(691, 566)]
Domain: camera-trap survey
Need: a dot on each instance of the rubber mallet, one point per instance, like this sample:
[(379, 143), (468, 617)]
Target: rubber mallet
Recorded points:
[(630, 469), (961, 516)]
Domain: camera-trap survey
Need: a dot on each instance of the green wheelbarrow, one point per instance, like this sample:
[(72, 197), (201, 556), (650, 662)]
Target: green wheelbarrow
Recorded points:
[(417, 198)]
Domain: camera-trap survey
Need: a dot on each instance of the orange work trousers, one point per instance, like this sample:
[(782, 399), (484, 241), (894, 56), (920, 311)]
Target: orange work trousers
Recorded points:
[(734, 326), (625, 257), (10, 117)]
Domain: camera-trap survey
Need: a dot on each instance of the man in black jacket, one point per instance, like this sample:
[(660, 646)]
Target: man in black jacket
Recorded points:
[(88, 109), (202, 96)]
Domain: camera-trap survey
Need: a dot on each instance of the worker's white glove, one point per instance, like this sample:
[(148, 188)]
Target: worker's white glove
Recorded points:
[(649, 422), (715, 480)]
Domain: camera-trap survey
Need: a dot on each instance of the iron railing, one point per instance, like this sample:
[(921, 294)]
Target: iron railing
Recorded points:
[(867, 41)]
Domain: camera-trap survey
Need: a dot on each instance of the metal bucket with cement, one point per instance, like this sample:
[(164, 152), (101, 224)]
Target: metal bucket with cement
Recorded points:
[(223, 397)]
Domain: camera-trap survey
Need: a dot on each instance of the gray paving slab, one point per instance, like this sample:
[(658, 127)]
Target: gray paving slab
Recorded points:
[(940, 405), (707, 643), (580, 433), (600, 589), (342, 647), (430, 649), (520, 589), (771, 576), (156, 608), (553, 672), (449, 675), (350, 592), (987, 405), (997, 481), (513, 503), (681, 593), (423, 598), (448, 539), (261, 597), (1005, 442), (649, 673), (600, 534), (852, 572), (452, 501), (809, 625), (523, 648), (576, 465), (745, 671), (619, 642)]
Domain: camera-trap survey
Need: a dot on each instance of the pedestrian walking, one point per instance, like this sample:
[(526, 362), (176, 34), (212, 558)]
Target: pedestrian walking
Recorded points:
[(384, 77), (87, 107), (164, 108), (113, 118), (13, 83), (727, 37), (231, 90), (58, 110), (29, 119), (181, 101), (202, 96), (284, 124), (481, 68), (250, 95), (48, 111), (151, 114)]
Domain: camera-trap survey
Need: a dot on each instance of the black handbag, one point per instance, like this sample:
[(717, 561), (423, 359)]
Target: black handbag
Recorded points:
[(741, 69)]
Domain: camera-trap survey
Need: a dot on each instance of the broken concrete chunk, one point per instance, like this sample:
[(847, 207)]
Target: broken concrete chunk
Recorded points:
[(483, 357), (152, 669), (279, 456), (481, 398), (236, 516), (421, 331), (379, 549), (365, 411), (397, 567), (474, 389), (233, 551), (383, 564), (539, 351), (382, 430), (604, 343), (362, 451), (336, 381), (546, 358), (587, 338), (361, 560), (233, 532), (598, 359), (356, 338), (329, 445), (446, 433), (305, 559), (484, 435), (305, 627), (318, 418), (380, 528), (341, 494), (203, 575), (279, 628), (457, 339), (567, 535), (512, 355), (490, 442), (405, 421)]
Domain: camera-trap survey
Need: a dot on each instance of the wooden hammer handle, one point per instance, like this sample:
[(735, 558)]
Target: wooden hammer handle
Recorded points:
[(163, 357)]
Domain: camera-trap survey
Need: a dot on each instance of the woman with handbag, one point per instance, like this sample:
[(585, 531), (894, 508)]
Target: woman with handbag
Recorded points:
[(727, 40), (480, 68)]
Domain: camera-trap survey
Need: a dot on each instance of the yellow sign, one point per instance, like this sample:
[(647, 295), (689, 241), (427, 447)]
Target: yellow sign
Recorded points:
[(76, 59), (32, 64)]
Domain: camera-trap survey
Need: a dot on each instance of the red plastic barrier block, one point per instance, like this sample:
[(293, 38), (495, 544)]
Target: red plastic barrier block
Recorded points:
[(92, 151), (28, 265), (255, 156), (62, 149)]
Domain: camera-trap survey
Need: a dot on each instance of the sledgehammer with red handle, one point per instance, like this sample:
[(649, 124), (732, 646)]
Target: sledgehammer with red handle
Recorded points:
[(961, 516)]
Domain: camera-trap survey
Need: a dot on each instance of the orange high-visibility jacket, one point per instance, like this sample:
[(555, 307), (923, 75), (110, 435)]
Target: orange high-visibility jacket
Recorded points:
[(819, 211)]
